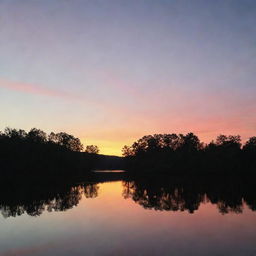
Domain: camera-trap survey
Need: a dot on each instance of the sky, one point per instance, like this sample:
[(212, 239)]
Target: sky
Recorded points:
[(111, 71)]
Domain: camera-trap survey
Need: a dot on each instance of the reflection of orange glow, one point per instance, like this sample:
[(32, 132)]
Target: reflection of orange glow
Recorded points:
[(112, 189)]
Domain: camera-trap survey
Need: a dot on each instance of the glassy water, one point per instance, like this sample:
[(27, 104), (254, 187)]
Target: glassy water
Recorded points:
[(130, 217)]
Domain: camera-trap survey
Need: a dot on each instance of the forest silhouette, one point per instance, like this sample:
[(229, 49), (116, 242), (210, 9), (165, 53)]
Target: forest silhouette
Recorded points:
[(186, 153), (35, 152)]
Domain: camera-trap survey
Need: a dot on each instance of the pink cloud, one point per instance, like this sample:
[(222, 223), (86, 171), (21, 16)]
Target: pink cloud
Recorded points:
[(33, 89), (39, 90), (110, 108)]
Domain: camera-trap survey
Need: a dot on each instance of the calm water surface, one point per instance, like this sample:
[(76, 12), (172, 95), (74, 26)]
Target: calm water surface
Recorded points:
[(128, 218)]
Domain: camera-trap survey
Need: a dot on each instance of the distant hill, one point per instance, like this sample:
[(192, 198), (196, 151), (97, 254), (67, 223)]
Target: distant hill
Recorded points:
[(108, 162)]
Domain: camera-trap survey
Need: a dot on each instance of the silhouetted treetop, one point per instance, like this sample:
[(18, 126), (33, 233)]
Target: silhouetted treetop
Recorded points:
[(250, 144), (231, 140), (66, 140), (163, 142), (13, 133), (92, 149), (37, 136)]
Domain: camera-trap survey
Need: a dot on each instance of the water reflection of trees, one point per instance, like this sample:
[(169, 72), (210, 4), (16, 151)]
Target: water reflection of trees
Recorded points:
[(187, 194), (164, 193), (34, 201)]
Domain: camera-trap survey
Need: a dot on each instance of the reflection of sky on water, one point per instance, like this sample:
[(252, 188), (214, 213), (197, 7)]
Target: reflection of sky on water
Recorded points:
[(112, 225), (109, 171)]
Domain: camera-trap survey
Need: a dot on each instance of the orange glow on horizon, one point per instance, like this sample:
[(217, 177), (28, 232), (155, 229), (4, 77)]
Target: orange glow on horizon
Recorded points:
[(113, 145), (106, 147)]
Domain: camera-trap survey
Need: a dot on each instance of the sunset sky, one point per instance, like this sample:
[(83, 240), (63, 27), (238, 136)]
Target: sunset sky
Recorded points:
[(110, 71)]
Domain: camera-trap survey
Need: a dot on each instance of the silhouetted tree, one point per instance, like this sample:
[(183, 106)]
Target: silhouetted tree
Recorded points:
[(189, 143), (249, 153), (127, 151), (14, 134), (229, 141), (66, 140), (36, 136), (92, 149), (250, 145)]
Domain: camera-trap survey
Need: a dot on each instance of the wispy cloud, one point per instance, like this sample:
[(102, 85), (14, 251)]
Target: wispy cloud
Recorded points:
[(39, 90), (34, 89)]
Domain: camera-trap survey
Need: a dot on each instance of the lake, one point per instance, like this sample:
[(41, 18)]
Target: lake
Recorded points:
[(113, 216)]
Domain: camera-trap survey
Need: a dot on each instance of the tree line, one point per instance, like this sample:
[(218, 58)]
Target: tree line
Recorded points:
[(37, 136), (38, 150), (177, 151)]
